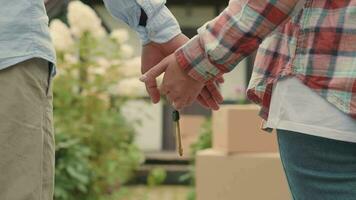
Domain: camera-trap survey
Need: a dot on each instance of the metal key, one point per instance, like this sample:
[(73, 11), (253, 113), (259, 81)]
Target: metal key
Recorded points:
[(176, 118)]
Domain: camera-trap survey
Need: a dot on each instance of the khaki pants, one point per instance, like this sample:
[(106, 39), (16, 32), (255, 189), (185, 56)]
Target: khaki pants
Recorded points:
[(26, 133)]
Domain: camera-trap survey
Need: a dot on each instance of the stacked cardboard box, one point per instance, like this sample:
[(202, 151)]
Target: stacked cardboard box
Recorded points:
[(244, 163), (190, 130), (237, 128), (240, 176)]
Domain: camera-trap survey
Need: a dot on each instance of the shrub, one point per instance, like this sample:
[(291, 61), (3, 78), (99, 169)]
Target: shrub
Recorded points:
[(95, 150)]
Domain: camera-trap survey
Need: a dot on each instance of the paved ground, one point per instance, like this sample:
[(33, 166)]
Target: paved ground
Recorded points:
[(157, 193)]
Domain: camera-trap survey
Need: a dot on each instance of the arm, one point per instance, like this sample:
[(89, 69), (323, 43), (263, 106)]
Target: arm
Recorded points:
[(161, 25), (220, 46), (161, 36), (236, 33)]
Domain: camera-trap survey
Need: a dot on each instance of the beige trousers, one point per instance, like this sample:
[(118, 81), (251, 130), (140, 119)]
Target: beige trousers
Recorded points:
[(26, 132)]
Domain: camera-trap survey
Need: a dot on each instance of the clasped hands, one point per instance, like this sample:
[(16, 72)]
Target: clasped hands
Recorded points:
[(180, 89)]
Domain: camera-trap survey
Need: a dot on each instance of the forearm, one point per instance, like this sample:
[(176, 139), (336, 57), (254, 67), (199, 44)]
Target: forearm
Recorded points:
[(232, 36)]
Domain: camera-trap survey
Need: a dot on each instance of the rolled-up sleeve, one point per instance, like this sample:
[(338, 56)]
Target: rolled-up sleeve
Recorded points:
[(222, 43), (161, 24)]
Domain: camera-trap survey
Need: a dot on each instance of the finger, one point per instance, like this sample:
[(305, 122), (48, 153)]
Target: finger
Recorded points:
[(177, 101), (167, 89), (179, 105), (183, 103), (209, 99), (215, 93), (172, 98), (155, 71), (163, 89), (152, 90), (149, 78), (169, 100), (189, 101), (202, 102), (174, 106)]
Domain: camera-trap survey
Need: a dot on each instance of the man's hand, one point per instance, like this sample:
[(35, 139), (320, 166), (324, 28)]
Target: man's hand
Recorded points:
[(182, 90), (153, 53)]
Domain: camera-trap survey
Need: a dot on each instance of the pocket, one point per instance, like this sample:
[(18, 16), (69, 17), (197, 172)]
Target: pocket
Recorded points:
[(49, 80), (41, 70)]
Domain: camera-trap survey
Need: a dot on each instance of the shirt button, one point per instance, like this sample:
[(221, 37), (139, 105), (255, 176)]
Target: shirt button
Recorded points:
[(209, 75)]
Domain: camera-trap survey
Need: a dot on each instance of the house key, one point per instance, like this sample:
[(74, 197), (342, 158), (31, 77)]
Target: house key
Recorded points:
[(176, 118)]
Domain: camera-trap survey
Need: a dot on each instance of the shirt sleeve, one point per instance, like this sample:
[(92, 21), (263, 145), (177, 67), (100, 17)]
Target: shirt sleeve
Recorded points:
[(161, 26), (239, 30)]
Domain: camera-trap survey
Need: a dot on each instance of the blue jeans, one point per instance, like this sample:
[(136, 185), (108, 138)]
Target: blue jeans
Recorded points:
[(318, 168)]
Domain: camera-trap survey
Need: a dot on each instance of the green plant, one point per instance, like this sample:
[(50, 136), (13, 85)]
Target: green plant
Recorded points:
[(72, 171), (156, 177), (95, 150), (205, 138), (204, 142)]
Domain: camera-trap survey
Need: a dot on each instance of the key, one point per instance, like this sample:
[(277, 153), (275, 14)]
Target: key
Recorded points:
[(176, 118)]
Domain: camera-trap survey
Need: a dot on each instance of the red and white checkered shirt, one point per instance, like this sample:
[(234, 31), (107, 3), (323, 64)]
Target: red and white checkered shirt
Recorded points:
[(317, 45)]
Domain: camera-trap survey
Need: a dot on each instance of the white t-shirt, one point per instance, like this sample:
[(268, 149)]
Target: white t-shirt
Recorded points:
[(297, 108)]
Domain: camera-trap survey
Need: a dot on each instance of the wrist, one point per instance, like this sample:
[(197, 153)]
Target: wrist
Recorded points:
[(192, 60), (172, 45), (186, 67)]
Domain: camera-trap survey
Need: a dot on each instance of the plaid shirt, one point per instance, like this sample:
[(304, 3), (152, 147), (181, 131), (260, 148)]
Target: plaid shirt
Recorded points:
[(317, 45)]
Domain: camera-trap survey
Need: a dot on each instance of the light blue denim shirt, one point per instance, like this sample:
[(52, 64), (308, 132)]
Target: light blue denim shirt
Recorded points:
[(24, 32), (161, 24)]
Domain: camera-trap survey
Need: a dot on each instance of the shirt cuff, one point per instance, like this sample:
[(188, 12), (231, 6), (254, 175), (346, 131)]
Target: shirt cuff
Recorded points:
[(192, 59), (143, 34), (163, 26)]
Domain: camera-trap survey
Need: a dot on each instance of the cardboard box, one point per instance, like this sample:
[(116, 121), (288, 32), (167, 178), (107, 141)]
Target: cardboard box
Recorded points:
[(237, 128), (241, 176), (190, 130)]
